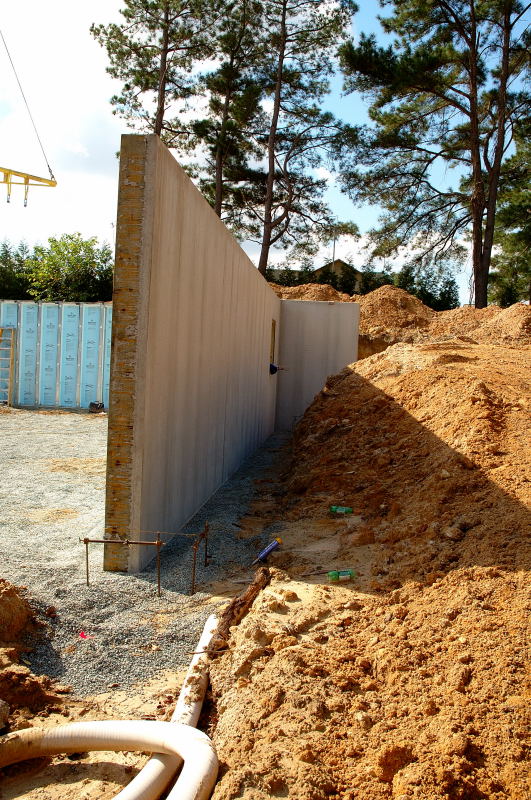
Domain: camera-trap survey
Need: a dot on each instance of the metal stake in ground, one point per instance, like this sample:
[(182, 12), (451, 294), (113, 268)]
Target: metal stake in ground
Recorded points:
[(127, 542), (202, 536)]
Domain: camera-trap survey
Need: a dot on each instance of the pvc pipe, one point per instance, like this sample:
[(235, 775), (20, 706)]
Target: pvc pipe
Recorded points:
[(157, 773), (199, 772)]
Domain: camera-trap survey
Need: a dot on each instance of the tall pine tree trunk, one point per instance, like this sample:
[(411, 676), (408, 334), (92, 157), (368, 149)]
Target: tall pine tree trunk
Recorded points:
[(477, 200), (220, 161), (161, 95), (494, 172), (271, 142)]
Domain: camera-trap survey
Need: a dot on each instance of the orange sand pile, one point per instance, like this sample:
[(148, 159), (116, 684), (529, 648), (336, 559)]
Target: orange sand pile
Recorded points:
[(409, 683), (23, 692), (310, 291)]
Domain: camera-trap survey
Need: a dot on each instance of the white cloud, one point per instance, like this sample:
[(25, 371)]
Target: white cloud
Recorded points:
[(62, 72)]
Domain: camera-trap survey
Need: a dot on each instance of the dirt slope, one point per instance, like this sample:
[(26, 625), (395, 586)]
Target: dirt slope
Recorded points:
[(408, 683), (310, 291), (21, 693)]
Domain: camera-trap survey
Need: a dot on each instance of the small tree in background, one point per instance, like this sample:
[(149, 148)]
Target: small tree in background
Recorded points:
[(72, 269), (438, 291), (328, 277), (15, 274), (370, 279)]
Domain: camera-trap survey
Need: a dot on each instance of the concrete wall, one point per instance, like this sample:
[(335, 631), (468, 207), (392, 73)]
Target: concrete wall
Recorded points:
[(317, 339), (191, 393)]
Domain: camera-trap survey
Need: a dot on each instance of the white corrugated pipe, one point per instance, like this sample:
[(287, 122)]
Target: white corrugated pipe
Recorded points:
[(198, 774), (155, 776)]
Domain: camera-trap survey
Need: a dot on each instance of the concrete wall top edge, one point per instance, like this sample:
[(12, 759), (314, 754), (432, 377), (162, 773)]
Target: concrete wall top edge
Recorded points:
[(153, 141), (320, 302)]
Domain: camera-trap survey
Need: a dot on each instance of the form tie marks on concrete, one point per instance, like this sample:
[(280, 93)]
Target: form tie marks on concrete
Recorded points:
[(195, 328)]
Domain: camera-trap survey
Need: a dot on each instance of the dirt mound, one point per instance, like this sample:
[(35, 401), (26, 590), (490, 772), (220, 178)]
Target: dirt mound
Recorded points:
[(461, 321), (15, 612), (409, 682), (511, 326), (325, 695), (419, 436), (19, 688), (310, 291), (390, 310), (389, 315)]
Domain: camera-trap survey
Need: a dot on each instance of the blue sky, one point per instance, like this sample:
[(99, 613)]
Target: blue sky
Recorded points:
[(62, 71)]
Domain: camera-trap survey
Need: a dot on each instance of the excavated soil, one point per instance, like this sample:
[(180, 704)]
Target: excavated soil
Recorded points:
[(310, 291), (410, 681), (22, 693)]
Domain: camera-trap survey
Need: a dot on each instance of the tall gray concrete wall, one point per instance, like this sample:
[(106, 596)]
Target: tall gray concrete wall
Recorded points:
[(317, 339), (191, 393)]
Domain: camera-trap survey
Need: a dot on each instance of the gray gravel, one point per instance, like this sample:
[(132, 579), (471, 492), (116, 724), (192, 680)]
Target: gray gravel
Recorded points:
[(51, 495)]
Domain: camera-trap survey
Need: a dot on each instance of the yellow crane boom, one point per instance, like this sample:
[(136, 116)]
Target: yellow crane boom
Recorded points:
[(9, 177)]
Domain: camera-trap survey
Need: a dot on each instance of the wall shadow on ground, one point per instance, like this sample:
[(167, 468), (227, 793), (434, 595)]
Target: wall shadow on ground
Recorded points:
[(426, 508)]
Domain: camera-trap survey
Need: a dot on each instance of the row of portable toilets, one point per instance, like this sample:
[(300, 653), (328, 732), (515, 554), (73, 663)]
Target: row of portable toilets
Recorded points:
[(55, 355)]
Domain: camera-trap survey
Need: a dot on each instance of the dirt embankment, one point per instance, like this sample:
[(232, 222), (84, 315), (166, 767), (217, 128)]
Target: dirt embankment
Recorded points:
[(409, 682), (310, 291), (22, 693)]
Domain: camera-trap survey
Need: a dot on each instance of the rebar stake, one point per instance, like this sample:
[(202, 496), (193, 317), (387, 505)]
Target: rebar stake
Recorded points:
[(87, 560), (159, 545), (127, 542), (194, 559), (207, 528)]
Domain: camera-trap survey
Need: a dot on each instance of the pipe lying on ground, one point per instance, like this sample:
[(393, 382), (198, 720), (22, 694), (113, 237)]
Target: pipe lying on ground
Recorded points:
[(157, 773), (155, 776), (199, 771)]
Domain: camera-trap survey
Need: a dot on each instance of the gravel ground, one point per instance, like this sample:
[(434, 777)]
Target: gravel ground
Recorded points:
[(52, 494)]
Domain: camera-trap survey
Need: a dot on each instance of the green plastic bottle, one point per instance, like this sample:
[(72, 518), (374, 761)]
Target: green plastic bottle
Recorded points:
[(340, 510), (337, 575)]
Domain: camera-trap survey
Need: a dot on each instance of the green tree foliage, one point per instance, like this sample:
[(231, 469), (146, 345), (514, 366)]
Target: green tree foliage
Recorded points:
[(327, 277), (446, 94), (371, 279), (15, 275), (438, 291), (153, 52), (510, 280), (348, 279), (290, 277), (234, 94), (71, 268)]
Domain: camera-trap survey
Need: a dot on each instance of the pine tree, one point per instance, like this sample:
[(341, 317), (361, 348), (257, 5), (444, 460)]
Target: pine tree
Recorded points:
[(234, 92), (445, 95), (510, 280), (153, 51), (285, 204)]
